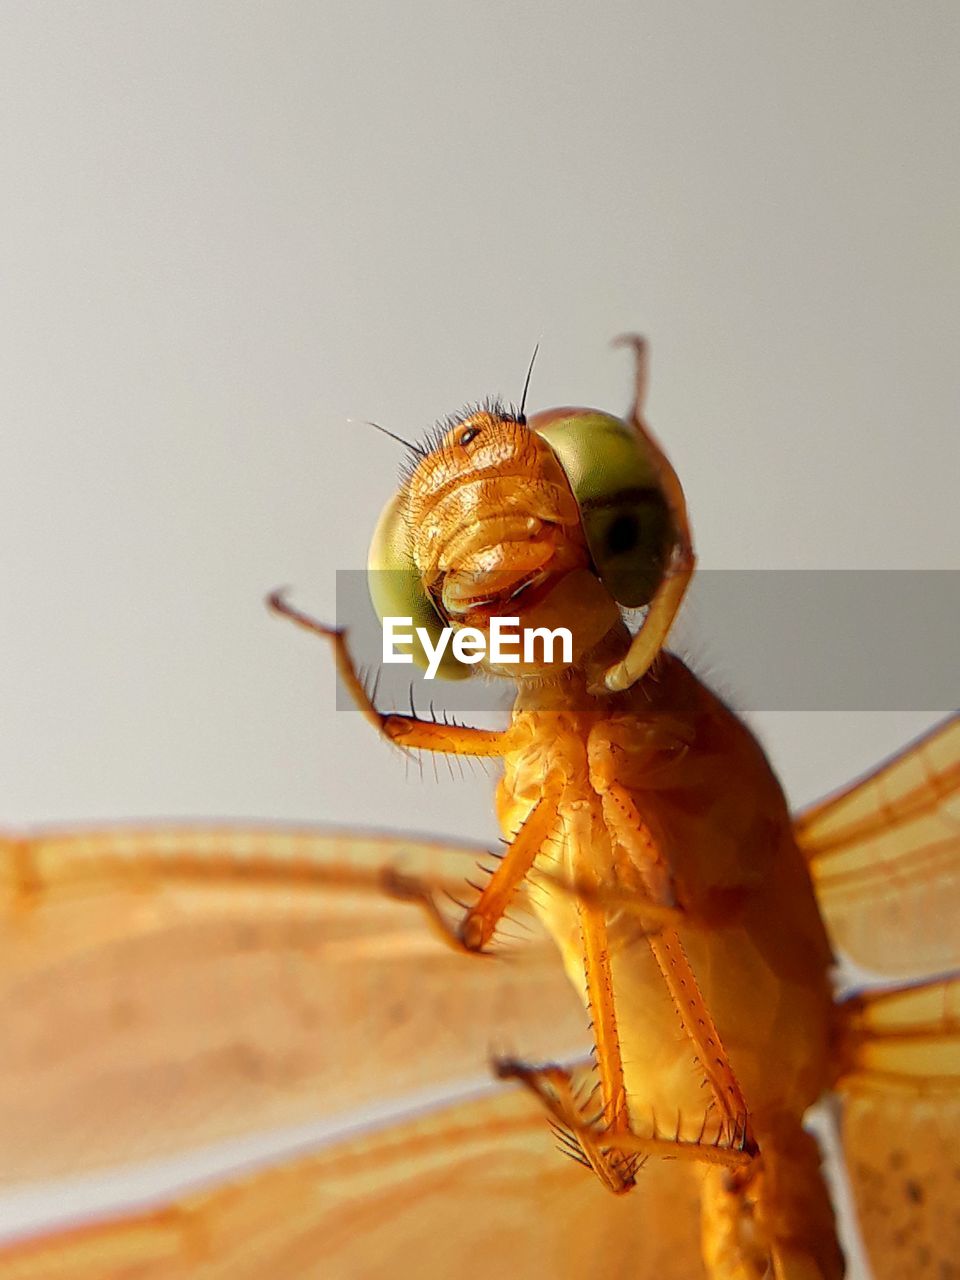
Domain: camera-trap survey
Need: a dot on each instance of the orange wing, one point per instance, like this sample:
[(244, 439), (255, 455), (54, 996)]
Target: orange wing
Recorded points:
[(469, 1190), (165, 988), (885, 858), (901, 1126)]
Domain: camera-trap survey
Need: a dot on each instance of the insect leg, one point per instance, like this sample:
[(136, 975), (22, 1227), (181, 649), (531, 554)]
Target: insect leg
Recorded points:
[(478, 925), (603, 1148), (644, 861), (405, 731), (599, 982), (651, 637), (614, 1120), (480, 921)]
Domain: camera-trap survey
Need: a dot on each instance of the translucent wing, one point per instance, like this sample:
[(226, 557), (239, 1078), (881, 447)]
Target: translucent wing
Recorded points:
[(901, 1127), (164, 988), (885, 859), (471, 1190)]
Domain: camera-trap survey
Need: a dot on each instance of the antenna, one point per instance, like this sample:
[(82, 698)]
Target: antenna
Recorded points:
[(526, 385)]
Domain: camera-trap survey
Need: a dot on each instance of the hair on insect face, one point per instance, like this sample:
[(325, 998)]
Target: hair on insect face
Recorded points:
[(442, 434), (435, 438), (416, 449), (491, 407)]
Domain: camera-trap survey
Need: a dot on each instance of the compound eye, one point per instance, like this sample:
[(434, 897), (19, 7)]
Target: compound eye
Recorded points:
[(622, 534), (468, 435)]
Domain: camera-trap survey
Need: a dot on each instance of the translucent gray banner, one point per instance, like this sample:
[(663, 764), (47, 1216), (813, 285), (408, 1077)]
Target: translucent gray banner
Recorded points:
[(772, 640)]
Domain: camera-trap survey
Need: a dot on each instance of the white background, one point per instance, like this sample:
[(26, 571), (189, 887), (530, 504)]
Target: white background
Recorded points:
[(226, 229)]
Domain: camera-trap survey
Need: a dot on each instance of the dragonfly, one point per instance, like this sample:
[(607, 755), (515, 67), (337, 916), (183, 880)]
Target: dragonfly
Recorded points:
[(646, 966)]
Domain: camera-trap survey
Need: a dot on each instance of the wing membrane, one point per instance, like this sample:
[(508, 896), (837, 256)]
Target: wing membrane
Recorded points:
[(885, 858), (164, 988), (901, 1126), (471, 1190), (907, 1039)]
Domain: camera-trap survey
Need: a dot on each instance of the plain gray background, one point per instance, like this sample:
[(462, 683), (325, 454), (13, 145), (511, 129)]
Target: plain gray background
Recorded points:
[(227, 229)]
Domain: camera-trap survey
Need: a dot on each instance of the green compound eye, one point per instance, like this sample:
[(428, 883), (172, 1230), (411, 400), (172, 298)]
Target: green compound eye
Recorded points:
[(396, 590), (624, 513)]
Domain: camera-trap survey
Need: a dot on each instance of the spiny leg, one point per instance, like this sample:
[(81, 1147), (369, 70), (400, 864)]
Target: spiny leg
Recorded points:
[(599, 982), (644, 862), (696, 1021), (598, 1145), (681, 982), (405, 731), (745, 1232), (554, 1088), (603, 1149), (480, 920), (617, 1131)]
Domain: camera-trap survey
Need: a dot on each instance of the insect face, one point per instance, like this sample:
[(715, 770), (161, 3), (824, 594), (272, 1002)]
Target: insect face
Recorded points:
[(560, 517), (492, 521)]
